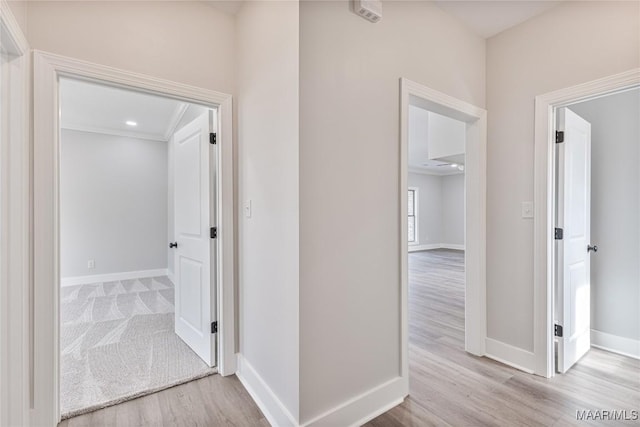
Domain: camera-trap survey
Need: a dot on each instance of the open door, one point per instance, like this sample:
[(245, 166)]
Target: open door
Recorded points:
[(573, 289), (194, 197)]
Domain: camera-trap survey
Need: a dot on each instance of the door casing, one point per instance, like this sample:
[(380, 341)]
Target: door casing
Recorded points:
[(14, 220), (475, 213), (45, 321), (545, 204)]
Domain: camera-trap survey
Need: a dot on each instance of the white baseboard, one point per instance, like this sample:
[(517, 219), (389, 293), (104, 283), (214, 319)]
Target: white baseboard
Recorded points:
[(430, 246), (273, 409), (354, 412), (363, 408), (615, 344), (111, 277), (452, 246), (510, 355), (416, 248)]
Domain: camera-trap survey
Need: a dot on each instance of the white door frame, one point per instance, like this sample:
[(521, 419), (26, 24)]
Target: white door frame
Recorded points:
[(475, 215), (545, 205), (48, 68), (14, 221)]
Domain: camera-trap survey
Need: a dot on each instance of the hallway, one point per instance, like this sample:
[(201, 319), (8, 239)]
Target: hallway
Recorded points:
[(448, 387)]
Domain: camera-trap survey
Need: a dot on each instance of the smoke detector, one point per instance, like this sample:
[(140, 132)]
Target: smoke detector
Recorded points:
[(371, 10)]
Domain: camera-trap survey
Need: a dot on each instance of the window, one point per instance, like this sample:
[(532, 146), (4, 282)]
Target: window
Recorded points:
[(412, 215)]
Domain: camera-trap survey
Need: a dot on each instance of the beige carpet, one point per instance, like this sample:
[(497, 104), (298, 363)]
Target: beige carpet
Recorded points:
[(117, 343)]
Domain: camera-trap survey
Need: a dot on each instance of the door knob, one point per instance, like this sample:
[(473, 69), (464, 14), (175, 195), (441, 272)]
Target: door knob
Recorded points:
[(173, 245), (593, 248)]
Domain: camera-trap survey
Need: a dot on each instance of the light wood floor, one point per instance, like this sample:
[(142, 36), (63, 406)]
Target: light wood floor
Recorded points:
[(448, 387), (210, 401)]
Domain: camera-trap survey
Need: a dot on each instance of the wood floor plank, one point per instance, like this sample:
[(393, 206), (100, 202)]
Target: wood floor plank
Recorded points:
[(210, 401)]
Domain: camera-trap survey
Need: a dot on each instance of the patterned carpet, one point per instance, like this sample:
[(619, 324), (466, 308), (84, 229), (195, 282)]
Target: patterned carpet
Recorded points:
[(117, 342)]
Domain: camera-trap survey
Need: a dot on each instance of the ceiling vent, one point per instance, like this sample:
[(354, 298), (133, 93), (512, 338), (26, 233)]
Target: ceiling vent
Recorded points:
[(371, 10)]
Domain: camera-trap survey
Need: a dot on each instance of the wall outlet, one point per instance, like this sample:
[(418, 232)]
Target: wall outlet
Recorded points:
[(91, 264), (527, 209)]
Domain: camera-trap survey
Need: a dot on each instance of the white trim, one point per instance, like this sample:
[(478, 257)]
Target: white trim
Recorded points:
[(364, 407), (14, 222), (615, 344), (13, 39), (475, 217), (434, 173), (273, 409), (510, 355), (544, 203), (114, 132), (354, 412), (431, 246), (425, 247), (177, 116), (48, 68), (112, 277)]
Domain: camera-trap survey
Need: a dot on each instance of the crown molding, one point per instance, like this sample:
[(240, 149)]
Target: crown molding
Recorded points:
[(177, 116), (113, 132), (434, 173), (14, 41)]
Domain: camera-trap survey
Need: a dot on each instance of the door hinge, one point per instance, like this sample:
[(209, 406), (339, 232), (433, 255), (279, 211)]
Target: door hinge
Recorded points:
[(559, 234), (559, 136), (214, 327), (557, 330), (213, 138), (214, 232)]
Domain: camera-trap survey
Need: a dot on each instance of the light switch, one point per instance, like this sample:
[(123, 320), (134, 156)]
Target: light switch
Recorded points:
[(247, 208), (527, 209)]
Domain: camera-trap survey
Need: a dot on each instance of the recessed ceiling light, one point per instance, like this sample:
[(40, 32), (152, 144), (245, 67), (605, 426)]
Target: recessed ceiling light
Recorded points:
[(454, 165), (131, 123)]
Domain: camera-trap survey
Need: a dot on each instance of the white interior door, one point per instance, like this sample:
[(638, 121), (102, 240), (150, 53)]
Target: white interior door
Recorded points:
[(574, 218), (194, 254)]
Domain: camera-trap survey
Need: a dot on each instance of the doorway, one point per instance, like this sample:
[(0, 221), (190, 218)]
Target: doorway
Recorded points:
[(127, 324), (597, 287), (49, 72), (467, 270), (553, 316), (436, 222)]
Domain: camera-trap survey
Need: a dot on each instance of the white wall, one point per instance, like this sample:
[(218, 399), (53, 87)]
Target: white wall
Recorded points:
[(440, 210), (447, 136), (267, 73), (188, 42), (113, 204), (615, 212), (453, 210), (573, 43), (418, 136), (349, 183)]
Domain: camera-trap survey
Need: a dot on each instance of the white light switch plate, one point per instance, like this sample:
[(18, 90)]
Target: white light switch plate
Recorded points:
[(247, 208), (527, 209)]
